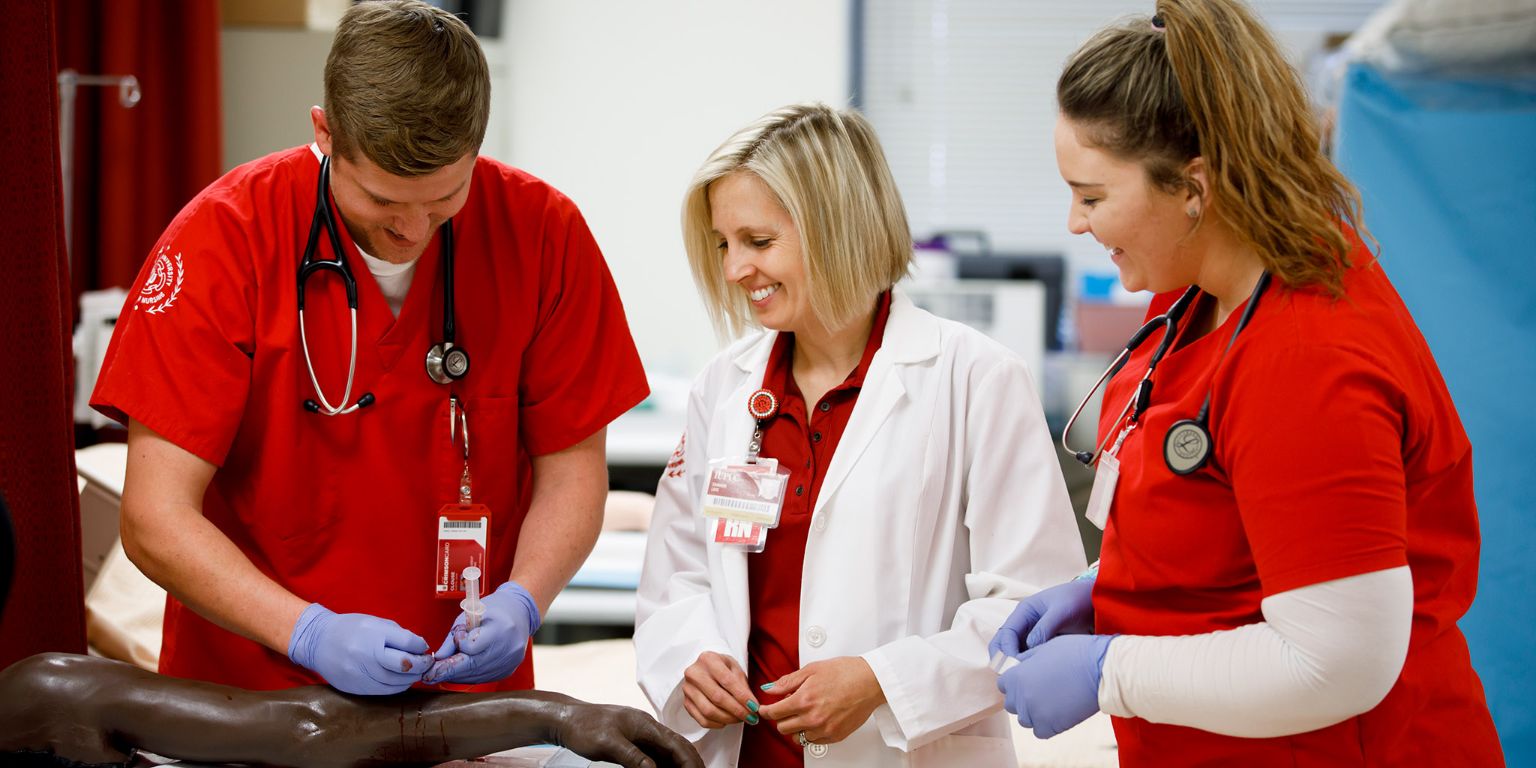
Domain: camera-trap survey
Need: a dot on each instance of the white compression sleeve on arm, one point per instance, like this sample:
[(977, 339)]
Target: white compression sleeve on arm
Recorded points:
[(1323, 653)]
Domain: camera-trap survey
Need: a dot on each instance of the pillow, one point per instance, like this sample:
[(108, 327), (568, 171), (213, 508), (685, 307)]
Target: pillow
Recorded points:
[(1449, 36)]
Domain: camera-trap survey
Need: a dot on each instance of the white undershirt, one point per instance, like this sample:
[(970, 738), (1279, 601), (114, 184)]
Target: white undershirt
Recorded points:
[(394, 279), (1324, 653)]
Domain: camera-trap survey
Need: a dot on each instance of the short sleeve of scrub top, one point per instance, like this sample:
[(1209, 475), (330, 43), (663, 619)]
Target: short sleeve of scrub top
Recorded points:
[(180, 357), (580, 370), (1315, 445)]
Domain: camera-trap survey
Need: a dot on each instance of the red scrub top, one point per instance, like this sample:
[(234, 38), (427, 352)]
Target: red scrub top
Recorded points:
[(343, 510), (1337, 452), (803, 441)]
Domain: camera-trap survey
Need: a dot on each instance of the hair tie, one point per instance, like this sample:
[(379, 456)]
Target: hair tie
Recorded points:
[(1157, 23)]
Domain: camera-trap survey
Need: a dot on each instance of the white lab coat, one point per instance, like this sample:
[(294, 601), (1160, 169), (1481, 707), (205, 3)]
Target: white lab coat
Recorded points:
[(942, 506)]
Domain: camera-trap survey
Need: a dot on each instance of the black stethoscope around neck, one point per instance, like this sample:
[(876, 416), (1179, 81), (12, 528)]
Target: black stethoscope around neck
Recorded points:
[(446, 362), (1188, 444)]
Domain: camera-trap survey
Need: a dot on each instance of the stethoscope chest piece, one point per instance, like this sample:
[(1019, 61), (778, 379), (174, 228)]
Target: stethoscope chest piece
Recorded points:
[(447, 363), (1187, 447)]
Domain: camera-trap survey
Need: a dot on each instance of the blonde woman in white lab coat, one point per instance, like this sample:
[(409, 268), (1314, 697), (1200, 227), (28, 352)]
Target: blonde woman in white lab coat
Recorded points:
[(921, 496)]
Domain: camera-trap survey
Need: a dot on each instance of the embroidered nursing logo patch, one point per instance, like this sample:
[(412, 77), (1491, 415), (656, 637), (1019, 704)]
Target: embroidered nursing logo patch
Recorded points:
[(163, 285), (675, 465)]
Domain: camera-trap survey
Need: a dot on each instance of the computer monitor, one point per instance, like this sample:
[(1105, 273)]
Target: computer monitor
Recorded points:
[(1048, 269)]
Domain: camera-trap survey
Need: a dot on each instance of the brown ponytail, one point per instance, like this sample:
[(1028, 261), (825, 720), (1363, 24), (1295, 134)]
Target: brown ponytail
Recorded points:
[(1211, 82)]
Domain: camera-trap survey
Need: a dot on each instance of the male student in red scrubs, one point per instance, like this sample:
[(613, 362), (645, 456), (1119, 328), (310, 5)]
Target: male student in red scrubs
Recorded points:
[(311, 474)]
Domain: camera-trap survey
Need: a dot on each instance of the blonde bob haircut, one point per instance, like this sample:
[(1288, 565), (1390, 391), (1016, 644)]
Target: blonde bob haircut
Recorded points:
[(826, 168)]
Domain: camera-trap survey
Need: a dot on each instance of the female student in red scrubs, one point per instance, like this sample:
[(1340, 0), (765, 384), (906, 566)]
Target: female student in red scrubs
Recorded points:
[(1292, 536)]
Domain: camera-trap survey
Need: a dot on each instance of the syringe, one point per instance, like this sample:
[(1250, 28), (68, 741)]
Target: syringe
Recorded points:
[(471, 605), (1002, 662)]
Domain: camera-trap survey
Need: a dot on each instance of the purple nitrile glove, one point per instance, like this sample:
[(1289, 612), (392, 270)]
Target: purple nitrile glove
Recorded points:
[(493, 650), (358, 653), (1056, 684), (1065, 609)]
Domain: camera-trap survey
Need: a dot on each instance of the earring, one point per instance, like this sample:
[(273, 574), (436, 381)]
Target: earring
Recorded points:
[(1193, 213)]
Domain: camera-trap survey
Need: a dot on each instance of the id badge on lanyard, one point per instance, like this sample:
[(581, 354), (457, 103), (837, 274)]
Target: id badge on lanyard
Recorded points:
[(463, 529), (1105, 478), (744, 496)]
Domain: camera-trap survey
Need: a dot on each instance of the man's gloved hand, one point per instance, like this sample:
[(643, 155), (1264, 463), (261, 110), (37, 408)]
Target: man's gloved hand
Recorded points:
[(493, 650), (358, 653), (1065, 609), (1056, 684)]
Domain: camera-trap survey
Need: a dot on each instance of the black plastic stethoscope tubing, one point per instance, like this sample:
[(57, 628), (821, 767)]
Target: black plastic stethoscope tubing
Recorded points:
[(1169, 322), (325, 219), (448, 308), (1203, 418)]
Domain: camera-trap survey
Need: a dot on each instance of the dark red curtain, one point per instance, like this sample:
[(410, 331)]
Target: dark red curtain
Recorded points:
[(135, 168), (46, 610)]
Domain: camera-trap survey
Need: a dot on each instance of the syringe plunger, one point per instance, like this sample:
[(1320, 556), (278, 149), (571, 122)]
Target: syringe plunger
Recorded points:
[(471, 605)]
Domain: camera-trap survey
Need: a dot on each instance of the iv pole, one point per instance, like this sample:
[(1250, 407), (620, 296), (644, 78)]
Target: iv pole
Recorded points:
[(128, 95)]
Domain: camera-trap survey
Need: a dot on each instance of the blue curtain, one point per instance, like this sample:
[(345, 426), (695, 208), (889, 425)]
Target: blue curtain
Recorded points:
[(1447, 169)]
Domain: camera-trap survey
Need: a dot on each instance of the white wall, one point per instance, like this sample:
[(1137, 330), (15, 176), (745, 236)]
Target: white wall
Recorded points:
[(271, 77), (617, 103)]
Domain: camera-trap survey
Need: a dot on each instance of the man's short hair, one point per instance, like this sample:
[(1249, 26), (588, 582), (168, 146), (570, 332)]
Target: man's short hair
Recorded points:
[(406, 84)]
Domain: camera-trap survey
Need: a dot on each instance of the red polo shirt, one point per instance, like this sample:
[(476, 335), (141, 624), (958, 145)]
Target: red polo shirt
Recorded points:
[(803, 440)]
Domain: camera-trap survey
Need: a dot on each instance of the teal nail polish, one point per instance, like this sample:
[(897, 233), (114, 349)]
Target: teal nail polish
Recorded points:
[(752, 719), (752, 705), (767, 686)]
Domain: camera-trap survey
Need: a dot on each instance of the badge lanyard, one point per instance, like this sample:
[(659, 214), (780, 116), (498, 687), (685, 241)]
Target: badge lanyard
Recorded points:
[(463, 529), (1107, 474), (1105, 478), (746, 495)]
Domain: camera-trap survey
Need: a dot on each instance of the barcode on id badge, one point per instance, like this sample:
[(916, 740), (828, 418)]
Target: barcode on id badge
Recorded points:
[(739, 509), (462, 530)]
